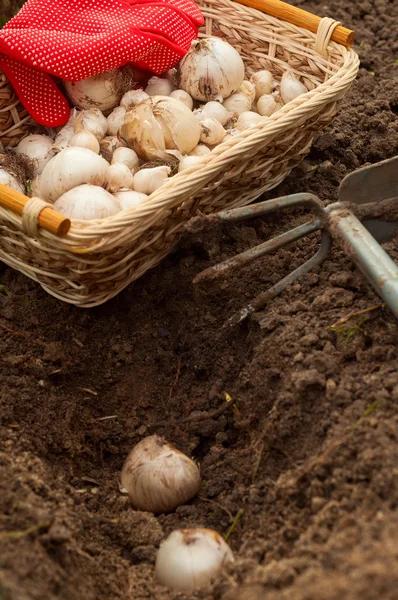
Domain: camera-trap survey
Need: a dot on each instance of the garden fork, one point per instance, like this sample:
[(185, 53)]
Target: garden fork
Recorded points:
[(364, 191)]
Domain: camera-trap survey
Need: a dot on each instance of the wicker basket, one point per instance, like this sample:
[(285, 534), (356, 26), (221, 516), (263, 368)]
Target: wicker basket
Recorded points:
[(15, 122), (96, 260)]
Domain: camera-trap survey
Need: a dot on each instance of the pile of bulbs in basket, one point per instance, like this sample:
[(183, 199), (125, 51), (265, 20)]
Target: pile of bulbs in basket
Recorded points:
[(122, 142)]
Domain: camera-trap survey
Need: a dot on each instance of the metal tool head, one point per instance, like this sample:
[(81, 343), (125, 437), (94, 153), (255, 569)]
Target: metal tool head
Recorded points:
[(371, 184), (382, 231), (373, 188)]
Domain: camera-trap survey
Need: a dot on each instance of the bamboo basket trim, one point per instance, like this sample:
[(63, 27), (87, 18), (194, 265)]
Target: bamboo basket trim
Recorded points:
[(95, 260)]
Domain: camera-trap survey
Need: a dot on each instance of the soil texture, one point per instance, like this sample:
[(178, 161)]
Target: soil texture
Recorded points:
[(299, 468)]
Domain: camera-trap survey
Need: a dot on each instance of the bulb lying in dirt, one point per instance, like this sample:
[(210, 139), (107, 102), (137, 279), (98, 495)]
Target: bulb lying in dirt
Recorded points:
[(158, 477), (191, 558)]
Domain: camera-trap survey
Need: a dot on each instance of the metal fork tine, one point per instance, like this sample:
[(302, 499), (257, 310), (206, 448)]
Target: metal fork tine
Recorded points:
[(264, 208), (244, 213), (261, 300), (225, 268)]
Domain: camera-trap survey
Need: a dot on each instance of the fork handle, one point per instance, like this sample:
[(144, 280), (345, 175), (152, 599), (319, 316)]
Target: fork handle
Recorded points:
[(299, 17), (49, 219), (364, 250)]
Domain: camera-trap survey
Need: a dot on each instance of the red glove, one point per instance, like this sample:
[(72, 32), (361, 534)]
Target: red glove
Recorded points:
[(76, 39)]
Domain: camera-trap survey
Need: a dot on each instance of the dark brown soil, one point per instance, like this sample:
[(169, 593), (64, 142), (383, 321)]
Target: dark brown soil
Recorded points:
[(305, 465)]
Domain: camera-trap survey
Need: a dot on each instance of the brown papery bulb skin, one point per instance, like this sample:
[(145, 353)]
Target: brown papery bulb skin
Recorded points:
[(158, 477)]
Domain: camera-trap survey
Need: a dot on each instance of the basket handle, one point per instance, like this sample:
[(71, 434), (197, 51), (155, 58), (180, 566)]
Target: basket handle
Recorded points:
[(299, 17), (33, 208)]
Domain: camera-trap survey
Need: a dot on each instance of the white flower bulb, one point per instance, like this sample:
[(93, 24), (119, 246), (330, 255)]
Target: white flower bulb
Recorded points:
[(108, 145), (189, 161), (115, 120), (266, 105), (212, 132), (248, 89), (85, 139), (103, 90), (119, 177), (159, 125), (128, 198), (211, 70), (72, 167), (87, 202), (248, 119), (7, 179), (38, 148), (158, 86), (183, 97), (291, 87), (264, 82), (148, 180), (200, 150), (238, 103), (125, 156), (158, 477), (132, 98), (191, 558), (214, 110), (91, 120)]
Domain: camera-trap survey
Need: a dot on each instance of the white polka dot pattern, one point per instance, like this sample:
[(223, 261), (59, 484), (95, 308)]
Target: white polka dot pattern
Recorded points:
[(76, 39)]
